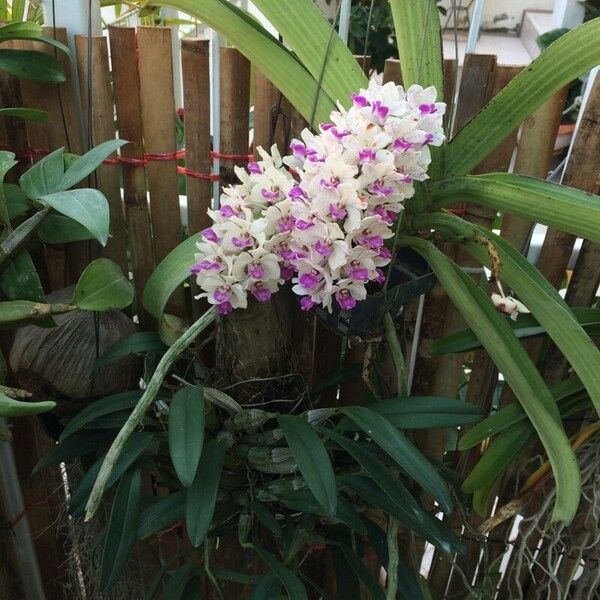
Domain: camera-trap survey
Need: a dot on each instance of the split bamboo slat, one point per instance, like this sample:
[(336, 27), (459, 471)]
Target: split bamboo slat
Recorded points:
[(126, 86), (97, 104)]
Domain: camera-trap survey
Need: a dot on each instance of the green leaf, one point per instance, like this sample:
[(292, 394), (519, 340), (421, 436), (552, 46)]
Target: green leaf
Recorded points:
[(292, 584), (135, 446), (7, 162), (9, 407), (186, 432), (86, 206), (142, 342), (357, 566), (88, 163), (20, 280), (177, 582), (406, 455), (312, 458), (202, 495), (17, 202), (79, 444), (520, 373), (565, 393), (173, 270), (268, 588), (424, 525), (29, 114), (102, 286), (526, 326), (562, 207), (44, 176), (282, 68), (304, 28), (35, 66), (266, 517), (58, 229), (571, 55), (424, 412), (122, 529), (99, 408), (419, 41), (161, 514)]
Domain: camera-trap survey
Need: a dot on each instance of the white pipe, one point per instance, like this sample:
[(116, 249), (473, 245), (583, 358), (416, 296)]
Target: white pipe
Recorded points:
[(344, 19), (14, 505), (171, 14), (215, 108), (474, 27)]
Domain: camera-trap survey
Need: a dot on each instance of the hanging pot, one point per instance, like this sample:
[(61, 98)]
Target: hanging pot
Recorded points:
[(410, 278)]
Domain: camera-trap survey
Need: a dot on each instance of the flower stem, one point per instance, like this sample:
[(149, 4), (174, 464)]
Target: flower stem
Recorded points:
[(142, 406)]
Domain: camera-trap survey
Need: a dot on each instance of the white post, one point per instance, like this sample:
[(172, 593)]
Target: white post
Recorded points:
[(166, 15), (215, 108), (14, 506), (344, 19), (567, 13), (474, 28)]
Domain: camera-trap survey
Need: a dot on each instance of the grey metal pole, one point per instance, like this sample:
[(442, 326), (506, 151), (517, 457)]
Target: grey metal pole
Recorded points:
[(475, 26)]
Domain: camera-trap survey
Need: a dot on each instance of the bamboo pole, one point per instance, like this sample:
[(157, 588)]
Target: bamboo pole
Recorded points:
[(126, 85), (97, 102)]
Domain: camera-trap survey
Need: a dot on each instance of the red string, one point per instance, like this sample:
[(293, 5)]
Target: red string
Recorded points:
[(223, 156), (164, 156), (197, 175)]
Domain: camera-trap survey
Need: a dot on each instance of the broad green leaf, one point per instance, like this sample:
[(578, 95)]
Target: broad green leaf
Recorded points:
[(202, 495), (29, 114), (9, 407), (357, 566), (278, 64), (571, 55), (186, 432), (121, 533), (102, 286), (83, 165), (266, 517), (7, 162), (161, 514), (99, 408), (35, 66), (322, 52), (177, 582), (142, 342), (17, 202), (135, 446), (520, 373), (20, 281), (267, 588), (235, 576), (193, 588), (562, 207), (292, 584), (19, 28), (423, 412), (526, 326), (406, 455), (79, 444), (312, 458), (304, 501), (565, 393), (168, 276), (44, 176), (86, 206), (58, 229), (540, 297), (426, 526)]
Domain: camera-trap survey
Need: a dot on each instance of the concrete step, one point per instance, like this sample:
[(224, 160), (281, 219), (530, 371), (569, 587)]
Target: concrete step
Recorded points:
[(535, 22)]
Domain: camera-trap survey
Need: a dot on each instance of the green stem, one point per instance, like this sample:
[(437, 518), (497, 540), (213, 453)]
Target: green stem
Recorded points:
[(393, 559), (397, 355), (148, 397)]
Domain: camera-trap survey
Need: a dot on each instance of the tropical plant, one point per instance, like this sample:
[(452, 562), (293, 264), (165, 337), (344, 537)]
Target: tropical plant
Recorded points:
[(43, 205), (344, 460)]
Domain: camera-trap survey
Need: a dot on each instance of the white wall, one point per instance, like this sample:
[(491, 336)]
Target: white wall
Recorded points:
[(504, 14)]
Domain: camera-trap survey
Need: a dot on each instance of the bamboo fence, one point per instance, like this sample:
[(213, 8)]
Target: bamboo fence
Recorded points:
[(129, 94)]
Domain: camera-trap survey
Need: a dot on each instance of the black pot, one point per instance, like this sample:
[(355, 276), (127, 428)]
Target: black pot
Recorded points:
[(411, 277)]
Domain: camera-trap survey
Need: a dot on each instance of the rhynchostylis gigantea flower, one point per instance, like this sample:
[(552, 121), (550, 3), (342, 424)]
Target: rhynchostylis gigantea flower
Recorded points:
[(320, 217)]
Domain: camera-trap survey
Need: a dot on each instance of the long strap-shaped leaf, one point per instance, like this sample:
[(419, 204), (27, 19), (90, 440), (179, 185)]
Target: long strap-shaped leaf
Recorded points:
[(545, 303), (323, 53), (559, 206), (571, 55), (267, 53), (520, 373)]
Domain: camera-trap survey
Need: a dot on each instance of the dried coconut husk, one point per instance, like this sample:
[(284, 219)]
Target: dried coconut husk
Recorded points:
[(59, 361)]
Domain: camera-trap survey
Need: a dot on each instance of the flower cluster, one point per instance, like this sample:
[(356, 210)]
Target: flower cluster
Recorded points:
[(320, 216)]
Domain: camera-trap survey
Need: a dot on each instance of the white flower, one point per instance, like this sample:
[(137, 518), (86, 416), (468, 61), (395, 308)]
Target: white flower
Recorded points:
[(509, 306)]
